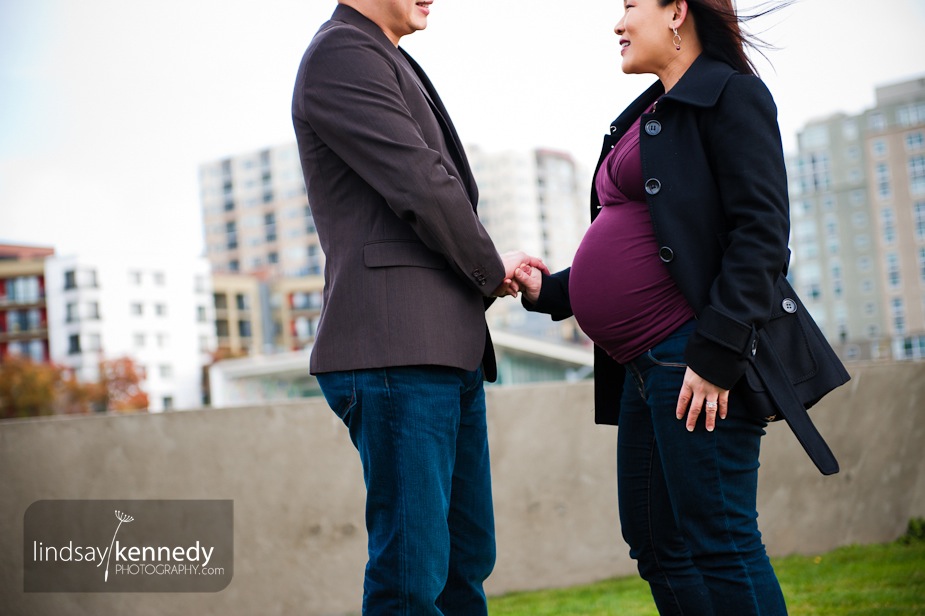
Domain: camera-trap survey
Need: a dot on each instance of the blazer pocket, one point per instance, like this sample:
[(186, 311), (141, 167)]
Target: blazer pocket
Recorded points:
[(401, 253)]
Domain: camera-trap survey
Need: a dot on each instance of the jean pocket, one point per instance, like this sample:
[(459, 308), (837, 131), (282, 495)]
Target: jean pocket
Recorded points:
[(666, 357), (339, 389)]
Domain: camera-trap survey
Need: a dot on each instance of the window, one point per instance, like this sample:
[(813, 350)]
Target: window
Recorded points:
[(70, 279), (919, 216), (269, 221), (917, 175), (879, 148), (911, 114), (139, 340), (201, 314), (876, 121), (71, 313), (922, 264), (134, 277), (242, 302), (231, 235), (165, 371), (221, 328), (167, 402), (889, 225), (221, 301), (136, 309), (73, 344), (93, 311), (883, 180), (94, 343), (898, 314), (162, 340), (915, 141), (244, 329), (273, 258), (160, 310), (892, 269), (159, 278)]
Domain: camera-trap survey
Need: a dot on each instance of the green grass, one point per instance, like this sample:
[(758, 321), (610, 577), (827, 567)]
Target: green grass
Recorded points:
[(873, 580)]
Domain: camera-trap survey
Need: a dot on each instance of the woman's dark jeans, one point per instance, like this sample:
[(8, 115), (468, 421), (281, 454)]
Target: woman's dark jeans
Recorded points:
[(688, 499)]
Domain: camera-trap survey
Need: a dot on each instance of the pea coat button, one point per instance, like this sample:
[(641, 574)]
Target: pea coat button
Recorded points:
[(789, 305), (653, 186), (653, 127), (666, 254)]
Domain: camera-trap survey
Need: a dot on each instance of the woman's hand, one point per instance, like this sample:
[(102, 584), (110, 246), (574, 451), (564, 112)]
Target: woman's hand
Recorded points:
[(530, 280), (696, 394)]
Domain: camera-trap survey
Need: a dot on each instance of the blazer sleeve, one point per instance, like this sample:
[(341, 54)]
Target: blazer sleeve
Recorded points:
[(350, 95), (554, 298), (742, 140)]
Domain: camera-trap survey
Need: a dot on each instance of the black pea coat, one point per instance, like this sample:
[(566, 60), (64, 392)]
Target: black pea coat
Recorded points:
[(716, 186)]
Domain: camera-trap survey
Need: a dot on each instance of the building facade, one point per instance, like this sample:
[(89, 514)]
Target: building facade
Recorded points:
[(154, 309), (857, 188), (23, 310)]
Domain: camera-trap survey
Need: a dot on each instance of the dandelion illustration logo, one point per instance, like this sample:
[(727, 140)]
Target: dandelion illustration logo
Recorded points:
[(122, 517)]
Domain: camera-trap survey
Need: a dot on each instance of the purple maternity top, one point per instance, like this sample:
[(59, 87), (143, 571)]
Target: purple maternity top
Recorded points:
[(620, 290)]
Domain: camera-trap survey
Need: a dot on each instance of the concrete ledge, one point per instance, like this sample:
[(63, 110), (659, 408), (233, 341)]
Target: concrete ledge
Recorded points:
[(296, 482)]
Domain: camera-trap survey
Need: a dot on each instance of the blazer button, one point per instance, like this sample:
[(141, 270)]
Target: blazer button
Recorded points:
[(653, 127), (653, 186), (666, 254), (789, 306)]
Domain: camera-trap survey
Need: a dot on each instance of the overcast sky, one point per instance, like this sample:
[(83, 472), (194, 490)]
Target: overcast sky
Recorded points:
[(107, 107)]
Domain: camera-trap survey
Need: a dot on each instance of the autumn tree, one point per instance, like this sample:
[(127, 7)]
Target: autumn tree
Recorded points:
[(27, 389)]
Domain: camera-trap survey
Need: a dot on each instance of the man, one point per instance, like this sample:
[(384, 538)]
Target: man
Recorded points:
[(402, 342)]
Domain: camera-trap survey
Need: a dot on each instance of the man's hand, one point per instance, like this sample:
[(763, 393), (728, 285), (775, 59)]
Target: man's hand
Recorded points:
[(513, 260)]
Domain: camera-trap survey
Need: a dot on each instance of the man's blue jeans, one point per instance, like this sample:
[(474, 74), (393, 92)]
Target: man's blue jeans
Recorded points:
[(423, 440), (688, 499)]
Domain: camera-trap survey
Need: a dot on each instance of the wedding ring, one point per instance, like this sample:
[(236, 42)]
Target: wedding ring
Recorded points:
[(711, 406)]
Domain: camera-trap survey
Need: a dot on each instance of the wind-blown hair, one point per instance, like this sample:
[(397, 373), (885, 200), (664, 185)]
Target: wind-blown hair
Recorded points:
[(719, 28)]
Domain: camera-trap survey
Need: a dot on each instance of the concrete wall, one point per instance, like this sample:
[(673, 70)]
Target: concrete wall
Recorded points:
[(298, 498)]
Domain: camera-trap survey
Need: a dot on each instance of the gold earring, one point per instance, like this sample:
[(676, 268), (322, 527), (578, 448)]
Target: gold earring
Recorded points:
[(676, 39)]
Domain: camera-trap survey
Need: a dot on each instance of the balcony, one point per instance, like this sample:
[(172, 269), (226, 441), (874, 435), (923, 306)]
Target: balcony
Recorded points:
[(297, 486)]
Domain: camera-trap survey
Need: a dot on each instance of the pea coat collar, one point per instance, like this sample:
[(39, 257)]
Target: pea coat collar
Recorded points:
[(700, 86)]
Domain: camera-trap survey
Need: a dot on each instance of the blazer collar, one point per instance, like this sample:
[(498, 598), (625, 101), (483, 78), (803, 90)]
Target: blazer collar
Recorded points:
[(350, 15)]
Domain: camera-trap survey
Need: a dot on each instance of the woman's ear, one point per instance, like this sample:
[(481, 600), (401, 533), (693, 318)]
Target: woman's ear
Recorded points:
[(680, 13)]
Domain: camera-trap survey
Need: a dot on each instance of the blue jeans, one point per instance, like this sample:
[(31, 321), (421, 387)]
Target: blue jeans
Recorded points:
[(423, 440), (688, 499)]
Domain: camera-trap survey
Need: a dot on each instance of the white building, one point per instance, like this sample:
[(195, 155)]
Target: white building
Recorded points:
[(156, 309)]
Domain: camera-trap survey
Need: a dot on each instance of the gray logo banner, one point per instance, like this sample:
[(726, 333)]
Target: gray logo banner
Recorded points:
[(128, 546)]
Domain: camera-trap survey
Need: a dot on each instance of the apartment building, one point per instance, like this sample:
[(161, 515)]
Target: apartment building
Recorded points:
[(154, 309), (23, 311), (857, 189)]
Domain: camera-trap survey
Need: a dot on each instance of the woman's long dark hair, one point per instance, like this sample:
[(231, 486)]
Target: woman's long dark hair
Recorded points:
[(719, 29)]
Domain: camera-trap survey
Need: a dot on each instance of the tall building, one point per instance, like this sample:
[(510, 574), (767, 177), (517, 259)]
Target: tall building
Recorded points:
[(156, 310), (857, 189), (535, 201), (23, 313), (532, 200), (261, 239), (256, 216)]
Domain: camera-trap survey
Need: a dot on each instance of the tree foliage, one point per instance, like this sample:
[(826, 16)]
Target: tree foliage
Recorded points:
[(29, 389)]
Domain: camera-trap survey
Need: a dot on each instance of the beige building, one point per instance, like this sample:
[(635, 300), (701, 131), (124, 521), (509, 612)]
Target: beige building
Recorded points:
[(258, 316), (857, 188)]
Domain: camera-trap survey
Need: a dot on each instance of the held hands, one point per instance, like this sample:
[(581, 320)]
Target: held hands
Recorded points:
[(697, 393), (530, 281), (513, 261)]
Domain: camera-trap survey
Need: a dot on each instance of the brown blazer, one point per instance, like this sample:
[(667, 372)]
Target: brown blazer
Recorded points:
[(409, 267)]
